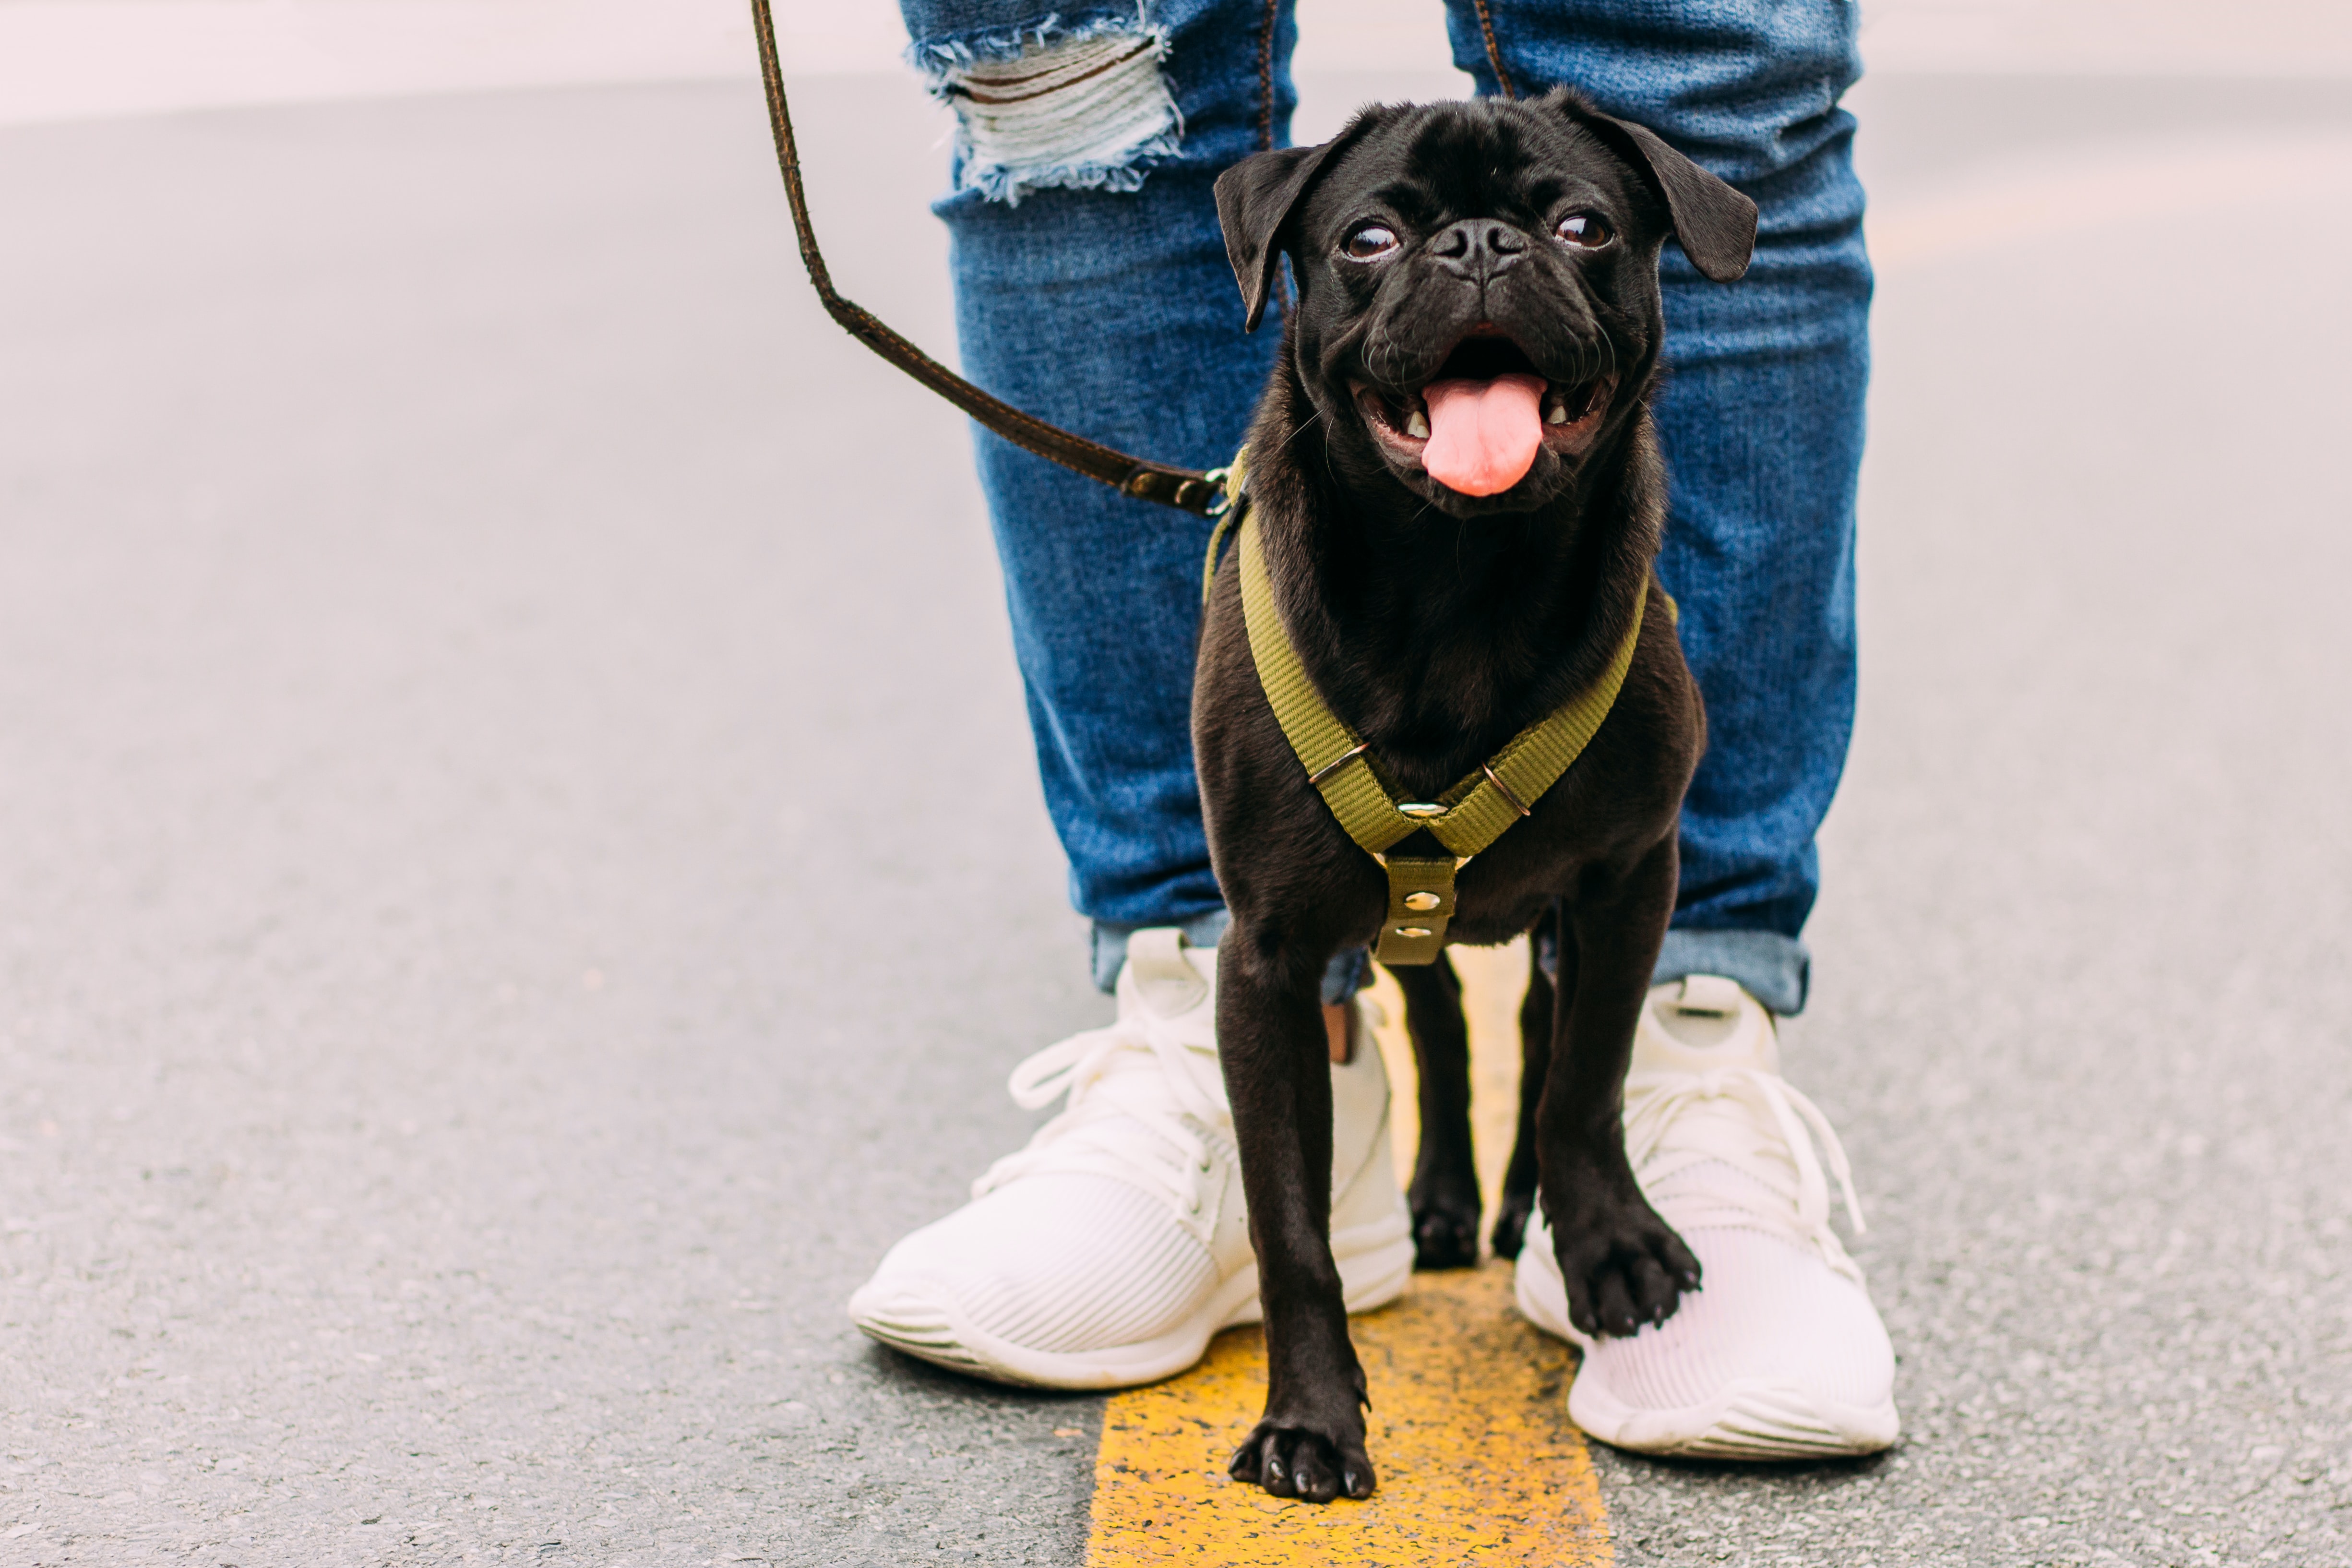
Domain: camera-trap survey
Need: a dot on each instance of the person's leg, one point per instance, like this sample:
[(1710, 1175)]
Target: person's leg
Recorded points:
[(1092, 291), (1761, 421)]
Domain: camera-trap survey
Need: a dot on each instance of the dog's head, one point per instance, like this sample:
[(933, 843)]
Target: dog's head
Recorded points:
[(1477, 289)]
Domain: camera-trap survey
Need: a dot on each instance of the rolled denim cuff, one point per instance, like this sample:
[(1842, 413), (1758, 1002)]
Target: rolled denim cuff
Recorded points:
[(1777, 970), (1348, 972)]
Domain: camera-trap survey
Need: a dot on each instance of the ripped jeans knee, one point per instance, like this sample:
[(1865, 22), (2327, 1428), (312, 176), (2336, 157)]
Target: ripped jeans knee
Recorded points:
[(1047, 105)]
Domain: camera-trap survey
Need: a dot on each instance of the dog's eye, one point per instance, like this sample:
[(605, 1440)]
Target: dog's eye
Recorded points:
[(1371, 241), (1586, 231)]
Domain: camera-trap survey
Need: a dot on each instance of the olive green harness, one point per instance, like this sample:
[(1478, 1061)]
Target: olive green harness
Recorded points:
[(1466, 819)]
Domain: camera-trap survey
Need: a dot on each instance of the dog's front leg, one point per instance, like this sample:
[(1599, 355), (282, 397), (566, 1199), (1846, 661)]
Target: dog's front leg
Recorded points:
[(1623, 1266), (1277, 1069)]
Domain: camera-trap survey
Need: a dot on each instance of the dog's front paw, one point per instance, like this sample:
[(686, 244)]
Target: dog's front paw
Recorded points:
[(1623, 1266), (1304, 1461)]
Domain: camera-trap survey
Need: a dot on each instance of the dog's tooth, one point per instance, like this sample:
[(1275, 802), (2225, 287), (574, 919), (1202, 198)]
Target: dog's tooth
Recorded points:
[(1416, 425), (1556, 413)]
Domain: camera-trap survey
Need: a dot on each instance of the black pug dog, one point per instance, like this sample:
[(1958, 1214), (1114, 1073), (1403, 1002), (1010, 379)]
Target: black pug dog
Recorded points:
[(1458, 498)]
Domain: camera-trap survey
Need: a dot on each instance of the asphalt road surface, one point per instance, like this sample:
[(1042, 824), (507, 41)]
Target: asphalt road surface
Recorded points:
[(521, 868)]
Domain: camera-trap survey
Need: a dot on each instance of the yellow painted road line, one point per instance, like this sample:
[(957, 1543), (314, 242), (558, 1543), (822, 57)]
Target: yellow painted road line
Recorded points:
[(1469, 1430)]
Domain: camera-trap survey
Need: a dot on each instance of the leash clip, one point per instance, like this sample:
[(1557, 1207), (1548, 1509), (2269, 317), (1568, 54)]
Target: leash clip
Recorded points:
[(1224, 501)]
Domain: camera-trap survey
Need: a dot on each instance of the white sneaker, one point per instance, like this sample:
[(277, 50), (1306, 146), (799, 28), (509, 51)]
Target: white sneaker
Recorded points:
[(1779, 1355), (1109, 1251)]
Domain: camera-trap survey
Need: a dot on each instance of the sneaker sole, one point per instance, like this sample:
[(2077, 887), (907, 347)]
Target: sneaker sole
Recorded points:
[(1375, 1262), (1751, 1418)]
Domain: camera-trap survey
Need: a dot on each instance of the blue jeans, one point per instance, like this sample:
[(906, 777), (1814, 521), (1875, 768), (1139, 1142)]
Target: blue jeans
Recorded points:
[(1092, 289)]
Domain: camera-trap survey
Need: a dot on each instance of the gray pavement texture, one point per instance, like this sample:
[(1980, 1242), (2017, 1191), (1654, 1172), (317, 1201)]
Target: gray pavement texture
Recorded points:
[(522, 869)]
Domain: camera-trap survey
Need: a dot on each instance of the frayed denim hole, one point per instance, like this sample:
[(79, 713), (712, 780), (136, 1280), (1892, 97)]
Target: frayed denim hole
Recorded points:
[(1080, 107)]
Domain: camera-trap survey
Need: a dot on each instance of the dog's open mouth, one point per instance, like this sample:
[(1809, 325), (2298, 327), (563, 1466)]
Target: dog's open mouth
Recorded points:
[(1476, 424)]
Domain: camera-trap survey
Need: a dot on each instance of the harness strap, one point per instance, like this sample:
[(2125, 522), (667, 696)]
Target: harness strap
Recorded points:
[(1466, 819)]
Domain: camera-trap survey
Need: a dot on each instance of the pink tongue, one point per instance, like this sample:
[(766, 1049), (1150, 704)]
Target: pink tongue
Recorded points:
[(1483, 435)]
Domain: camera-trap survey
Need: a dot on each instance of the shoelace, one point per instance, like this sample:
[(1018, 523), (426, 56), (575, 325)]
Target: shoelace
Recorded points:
[(1678, 1122), (1110, 1098)]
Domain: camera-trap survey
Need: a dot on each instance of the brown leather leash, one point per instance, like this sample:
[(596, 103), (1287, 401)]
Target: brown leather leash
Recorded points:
[(1187, 489)]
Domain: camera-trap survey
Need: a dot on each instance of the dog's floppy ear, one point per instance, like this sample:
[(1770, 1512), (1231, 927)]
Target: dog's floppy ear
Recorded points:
[(1715, 223), (1254, 200)]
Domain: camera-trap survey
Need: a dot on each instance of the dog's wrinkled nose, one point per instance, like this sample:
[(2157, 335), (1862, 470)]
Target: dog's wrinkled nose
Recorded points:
[(1477, 249)]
